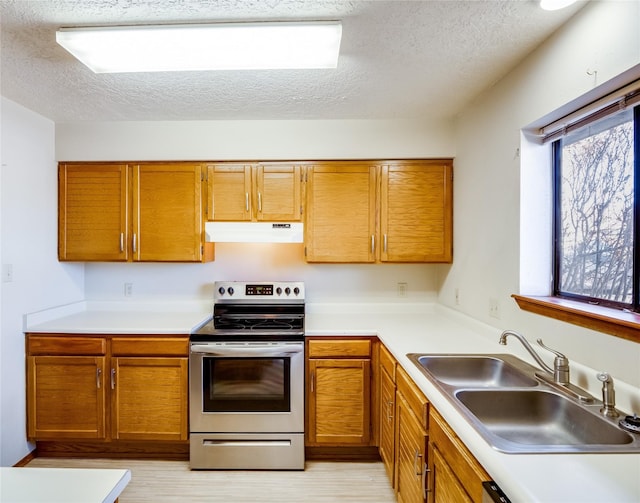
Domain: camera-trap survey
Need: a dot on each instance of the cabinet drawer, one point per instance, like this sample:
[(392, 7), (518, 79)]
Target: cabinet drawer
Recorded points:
[(336, 348), (388, 362), (455, 453), (415, 398), (66, 345), (150, 346)]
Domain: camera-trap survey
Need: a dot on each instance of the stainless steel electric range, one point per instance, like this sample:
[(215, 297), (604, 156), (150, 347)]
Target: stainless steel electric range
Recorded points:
[(246, 379)]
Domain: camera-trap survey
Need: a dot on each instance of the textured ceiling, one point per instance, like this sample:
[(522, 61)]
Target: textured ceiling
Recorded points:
[(399, 59)]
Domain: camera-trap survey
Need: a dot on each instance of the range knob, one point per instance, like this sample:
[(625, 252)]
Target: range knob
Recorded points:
[(279, 291), (221, 290), (287, 291), (230, 290), (296, 290)]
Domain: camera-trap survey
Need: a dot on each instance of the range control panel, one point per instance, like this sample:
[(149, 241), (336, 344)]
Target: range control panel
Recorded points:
[(263, 292)]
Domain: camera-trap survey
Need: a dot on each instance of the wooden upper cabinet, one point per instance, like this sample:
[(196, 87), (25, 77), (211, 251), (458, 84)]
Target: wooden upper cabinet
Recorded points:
[(229, 192), (123, 212), (167, 218), (278, 192), (416, 212), (245, 192), (93, 213), (341, 213)]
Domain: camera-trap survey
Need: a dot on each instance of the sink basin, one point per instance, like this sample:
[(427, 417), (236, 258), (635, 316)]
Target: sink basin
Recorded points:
[(473, 371), (541, 421), (500, 397)]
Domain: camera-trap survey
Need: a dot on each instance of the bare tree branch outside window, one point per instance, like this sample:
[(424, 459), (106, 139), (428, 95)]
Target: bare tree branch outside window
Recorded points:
[(597, 228)]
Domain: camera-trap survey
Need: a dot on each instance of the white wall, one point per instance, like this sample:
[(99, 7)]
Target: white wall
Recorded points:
[(245, 140), (29, 241), (262, 140), (602, 37), (264, 262)]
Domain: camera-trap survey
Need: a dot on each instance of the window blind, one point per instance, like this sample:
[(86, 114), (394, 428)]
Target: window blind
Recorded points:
[(607, 105)]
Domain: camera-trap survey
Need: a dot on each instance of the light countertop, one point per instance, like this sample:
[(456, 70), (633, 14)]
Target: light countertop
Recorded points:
[(407, 328), (162, 317), (58, 485)]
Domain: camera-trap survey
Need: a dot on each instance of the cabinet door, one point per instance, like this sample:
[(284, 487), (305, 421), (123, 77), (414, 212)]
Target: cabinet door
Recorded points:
[(167, 216), (341, 213), (229, 188), (387, 423), (411, 447), (65, 397), (149, 398), (278, 193), (92, 212), (457, 472), (339, 402), (444, 485), (416, 212)]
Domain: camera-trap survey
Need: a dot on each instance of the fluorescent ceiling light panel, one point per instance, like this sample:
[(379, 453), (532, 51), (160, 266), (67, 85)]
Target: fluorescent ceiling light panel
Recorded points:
[(555, 4), (197, 47)]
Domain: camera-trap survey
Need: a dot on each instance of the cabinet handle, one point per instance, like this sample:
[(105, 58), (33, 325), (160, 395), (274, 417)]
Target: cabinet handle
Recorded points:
[(113, 378), (98, 377), (121, 242), (373, 244), (260, 202), (390, 411), (385, 244), (425, 487), (135, 244), (313, 374), (416, 469), (246, 201)]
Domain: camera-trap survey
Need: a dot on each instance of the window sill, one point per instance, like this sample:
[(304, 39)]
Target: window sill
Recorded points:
[(610, 321)]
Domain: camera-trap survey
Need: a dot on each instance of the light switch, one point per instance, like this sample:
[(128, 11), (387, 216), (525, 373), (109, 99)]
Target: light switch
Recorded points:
[(7, 273)]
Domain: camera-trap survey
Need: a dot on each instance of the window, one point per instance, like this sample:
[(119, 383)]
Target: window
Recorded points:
[(596, 246)]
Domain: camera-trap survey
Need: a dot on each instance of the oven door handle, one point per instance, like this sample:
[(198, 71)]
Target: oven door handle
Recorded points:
[(234, 351)]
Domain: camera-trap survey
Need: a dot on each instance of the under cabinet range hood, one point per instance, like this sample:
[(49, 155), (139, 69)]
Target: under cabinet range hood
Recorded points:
[(254, 232)]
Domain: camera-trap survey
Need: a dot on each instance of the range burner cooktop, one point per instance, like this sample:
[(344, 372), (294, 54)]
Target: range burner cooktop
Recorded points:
[(255, 311)]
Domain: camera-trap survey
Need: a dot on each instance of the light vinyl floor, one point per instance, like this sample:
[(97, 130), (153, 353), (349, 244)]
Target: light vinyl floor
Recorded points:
[(172, 481)]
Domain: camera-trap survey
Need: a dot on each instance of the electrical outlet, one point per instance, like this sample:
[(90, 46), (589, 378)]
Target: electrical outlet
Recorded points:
[(494, 308), (128, 289), (402, 289), (457, 296)]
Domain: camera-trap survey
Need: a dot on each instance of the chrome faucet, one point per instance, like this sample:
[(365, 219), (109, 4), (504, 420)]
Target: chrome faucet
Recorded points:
[(558, 375), (608, 395)]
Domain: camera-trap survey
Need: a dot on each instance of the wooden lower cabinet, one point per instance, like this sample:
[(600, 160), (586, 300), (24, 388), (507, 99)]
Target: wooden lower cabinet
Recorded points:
[(427, 459), (411, 441), (338, 392), (454, 474), (387, 412), (148, 398), (107, 389), (66, 397)]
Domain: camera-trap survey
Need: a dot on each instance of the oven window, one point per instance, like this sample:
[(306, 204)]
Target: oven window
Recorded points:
[(246, 385)]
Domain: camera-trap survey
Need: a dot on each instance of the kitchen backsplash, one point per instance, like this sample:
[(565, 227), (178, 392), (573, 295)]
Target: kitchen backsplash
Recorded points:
[(264, 262)]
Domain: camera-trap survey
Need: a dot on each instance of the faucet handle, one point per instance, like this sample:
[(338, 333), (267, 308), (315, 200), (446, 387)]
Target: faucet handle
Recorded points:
[(555, 352), (560, 364)]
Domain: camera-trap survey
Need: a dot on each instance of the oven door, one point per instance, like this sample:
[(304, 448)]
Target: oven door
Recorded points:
[(247, 387)]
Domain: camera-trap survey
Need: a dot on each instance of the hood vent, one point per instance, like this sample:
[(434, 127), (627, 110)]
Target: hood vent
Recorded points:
[(254, 232)]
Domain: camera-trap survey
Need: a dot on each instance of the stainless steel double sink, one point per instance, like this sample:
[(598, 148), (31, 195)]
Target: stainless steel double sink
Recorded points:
[(500, 396)]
